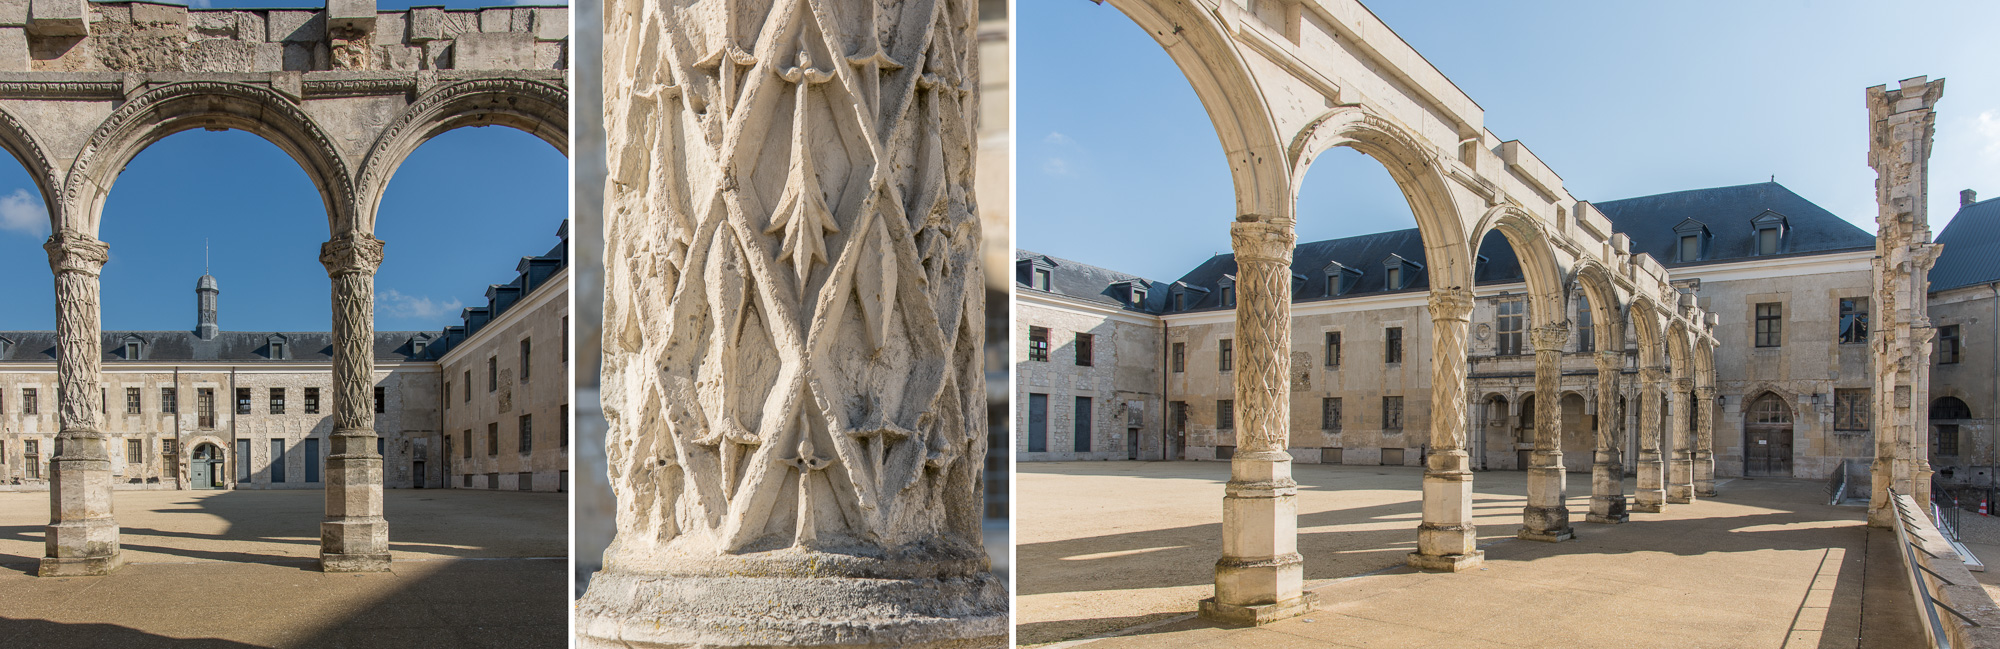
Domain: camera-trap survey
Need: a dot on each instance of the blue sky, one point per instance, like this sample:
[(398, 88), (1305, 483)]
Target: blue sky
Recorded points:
[(1620, 99)]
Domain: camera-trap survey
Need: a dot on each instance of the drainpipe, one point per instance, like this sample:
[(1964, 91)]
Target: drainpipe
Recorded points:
[(230, 400), (1991, 460), (1166, 370), (179, 474)]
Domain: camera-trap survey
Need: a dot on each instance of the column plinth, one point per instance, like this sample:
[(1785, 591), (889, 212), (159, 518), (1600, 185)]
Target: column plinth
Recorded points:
[(1680, 469), (1650, 495), (1607, 471)]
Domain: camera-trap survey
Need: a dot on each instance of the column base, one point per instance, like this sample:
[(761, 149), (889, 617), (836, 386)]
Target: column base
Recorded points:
[(1258, 615), (374, 562), (1609, 510), (80, 566), (1680, 494), (629, 611), (1652, 505), (1707, 491), (1446, 562), (1555, 536)]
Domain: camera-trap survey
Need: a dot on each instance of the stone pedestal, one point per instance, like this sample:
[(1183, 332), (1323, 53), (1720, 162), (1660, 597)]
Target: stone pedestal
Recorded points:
[(82, 536), (1260, 576), (1447, 539), (1680, 469), (1546, 518), (354, 537), (1651, 495), (1607, 470)]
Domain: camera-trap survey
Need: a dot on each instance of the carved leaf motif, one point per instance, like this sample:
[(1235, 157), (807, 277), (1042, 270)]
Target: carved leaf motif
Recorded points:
[(802, 213)]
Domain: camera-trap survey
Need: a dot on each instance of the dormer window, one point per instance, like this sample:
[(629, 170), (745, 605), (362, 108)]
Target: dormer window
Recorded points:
[(1691, 241), (1228, 286), (1179, 299), (1138, 297), (6, 346), (1398, 273), (1340, 278), (135, 348), (278, 348), (1770, 227), (1037, 272)]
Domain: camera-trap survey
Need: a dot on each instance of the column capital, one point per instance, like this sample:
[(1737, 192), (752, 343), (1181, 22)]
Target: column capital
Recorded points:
[(352, 252), (75, 252), (1683, 385), (1653, 374), (1609, 360), (1551, 337), (1257, 240), (1704, 392), (1454, 304)]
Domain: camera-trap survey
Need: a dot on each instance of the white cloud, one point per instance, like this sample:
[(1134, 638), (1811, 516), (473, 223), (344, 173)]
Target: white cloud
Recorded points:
[(395, 304), (1989, 128), (22, 212), (1056, 137), (1055, 167)]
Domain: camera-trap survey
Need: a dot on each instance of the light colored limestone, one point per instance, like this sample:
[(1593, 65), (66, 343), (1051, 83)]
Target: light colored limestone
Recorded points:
[(1902, 122), (792, 327)]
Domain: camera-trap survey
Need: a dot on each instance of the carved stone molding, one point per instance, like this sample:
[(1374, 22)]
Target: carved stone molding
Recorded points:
[(1552, 337), (353, 252), (74, 252), (1451, 304)]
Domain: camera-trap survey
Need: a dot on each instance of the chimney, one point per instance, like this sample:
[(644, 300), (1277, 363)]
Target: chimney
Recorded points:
[(1967, 197)]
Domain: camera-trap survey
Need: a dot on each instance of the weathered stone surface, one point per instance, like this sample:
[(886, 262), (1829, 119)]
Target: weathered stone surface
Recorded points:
[(551, 24), (13, 49), (426, 23), (295, 26), (161, 14), (350, 14), (501, 51), (13, 13), (1902, 122), (760, 507), (59, 17), (493, 21)]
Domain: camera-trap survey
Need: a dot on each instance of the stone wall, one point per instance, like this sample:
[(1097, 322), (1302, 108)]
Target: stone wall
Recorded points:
[(1974, 379), (1122, 372), (78, 36), (472, 412)]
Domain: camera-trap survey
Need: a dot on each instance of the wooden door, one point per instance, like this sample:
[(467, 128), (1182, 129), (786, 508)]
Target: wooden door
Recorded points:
[(1767, 438), (1038, 423)]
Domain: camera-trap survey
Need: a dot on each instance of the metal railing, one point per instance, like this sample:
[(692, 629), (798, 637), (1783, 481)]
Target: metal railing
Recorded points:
[(1836, 484), (1943, 590)]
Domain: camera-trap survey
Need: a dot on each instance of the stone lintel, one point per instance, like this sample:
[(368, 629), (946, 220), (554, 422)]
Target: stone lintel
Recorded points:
[(493, 51), (1257, 615), (59, 17)]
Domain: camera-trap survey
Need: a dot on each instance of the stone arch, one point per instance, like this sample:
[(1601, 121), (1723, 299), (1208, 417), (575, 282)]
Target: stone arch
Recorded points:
[(1605, 306), (1530, 240), (27, 149), (533, 107), (1943, 406), (1644, 318), (1202, 47), (1417, 172), (175, 107)]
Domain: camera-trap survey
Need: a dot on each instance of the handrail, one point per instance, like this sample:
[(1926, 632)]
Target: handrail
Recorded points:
[(1836, 484), (1957, 611)]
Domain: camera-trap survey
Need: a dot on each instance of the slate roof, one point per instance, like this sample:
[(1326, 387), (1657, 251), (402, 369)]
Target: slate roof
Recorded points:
[(1090, 283), (1727, 211), (230, 346), (1971, 247)]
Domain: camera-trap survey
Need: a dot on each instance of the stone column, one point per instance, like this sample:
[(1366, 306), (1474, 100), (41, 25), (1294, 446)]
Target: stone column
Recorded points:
[(1546, 518), (1607, 475), (1704, 441), (82, 537), (1447, 540), (354, 537), (1651, 495), (1260, 577), (793, 320), (1680, 469), (1902, 122)]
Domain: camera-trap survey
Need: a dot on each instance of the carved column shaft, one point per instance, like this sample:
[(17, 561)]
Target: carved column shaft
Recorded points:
[(1546, 518), (1607, 474), (1447, 539), (1651, 493), (1704, 438), (354, 537), (1680, 468), (82, 536), (793, 322), (1260, 577), (1902, 122)]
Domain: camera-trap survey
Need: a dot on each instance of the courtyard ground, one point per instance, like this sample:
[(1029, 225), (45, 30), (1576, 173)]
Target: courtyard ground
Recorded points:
[(1125, 549), (234, 569)]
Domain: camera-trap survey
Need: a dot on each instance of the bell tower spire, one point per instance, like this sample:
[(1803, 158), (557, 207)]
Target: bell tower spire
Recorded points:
[(205, 292)]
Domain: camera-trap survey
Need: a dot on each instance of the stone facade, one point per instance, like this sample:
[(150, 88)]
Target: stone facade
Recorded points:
[(483, 418)]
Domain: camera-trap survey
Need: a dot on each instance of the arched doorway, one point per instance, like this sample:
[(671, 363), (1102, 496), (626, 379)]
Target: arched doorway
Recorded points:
[(1767, 437), (205, 469)]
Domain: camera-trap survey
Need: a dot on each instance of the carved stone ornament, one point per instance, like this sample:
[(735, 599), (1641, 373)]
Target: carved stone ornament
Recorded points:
[(793, 329)]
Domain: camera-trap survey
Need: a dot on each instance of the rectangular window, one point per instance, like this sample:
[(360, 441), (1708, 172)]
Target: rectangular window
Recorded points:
[(492, 373), (312, 401), (493, 438), (205, 406), (1038, 344), (170, 400), (1853, 319), (524, 481), (1767, 241), (1083, 421), (135, 451), (1392, 413), (1038, 423), (312, 460), (468, 386), (562, 426), (468, 443), (1041, 279), (1770, 324), (1690, 248), (447, 395), (1083, 349), (31, 449), (562, 343), (242, 460), (1329, 414), (1947, 441), (527, 433), (1509, 324), (1180, 357), (1585, 331), (1225, 414), (132, 405), (1394, 281), (242, 401), (1333, 349), (1947, 344), (277, 460), (277, 351), (1225, 359), (381, 399), (527, 350), (1392, 348), (28, 406), (3, 401), (1850, 409), (103, 400), (278, 402)]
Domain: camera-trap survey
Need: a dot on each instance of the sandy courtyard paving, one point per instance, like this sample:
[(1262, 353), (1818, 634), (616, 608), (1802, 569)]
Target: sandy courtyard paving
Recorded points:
[(1110, 546), (238, 569)]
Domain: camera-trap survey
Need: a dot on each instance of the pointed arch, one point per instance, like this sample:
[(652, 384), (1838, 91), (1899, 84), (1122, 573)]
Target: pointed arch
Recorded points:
[(1418, 171), (1546, 279), (1606, 307)]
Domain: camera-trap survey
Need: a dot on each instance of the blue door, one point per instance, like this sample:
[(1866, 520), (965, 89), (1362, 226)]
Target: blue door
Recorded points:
[(1083, 424), (1038, 423)]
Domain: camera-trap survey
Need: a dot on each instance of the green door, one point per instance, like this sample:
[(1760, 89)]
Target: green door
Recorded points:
[(198, 475), (205, 468)]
